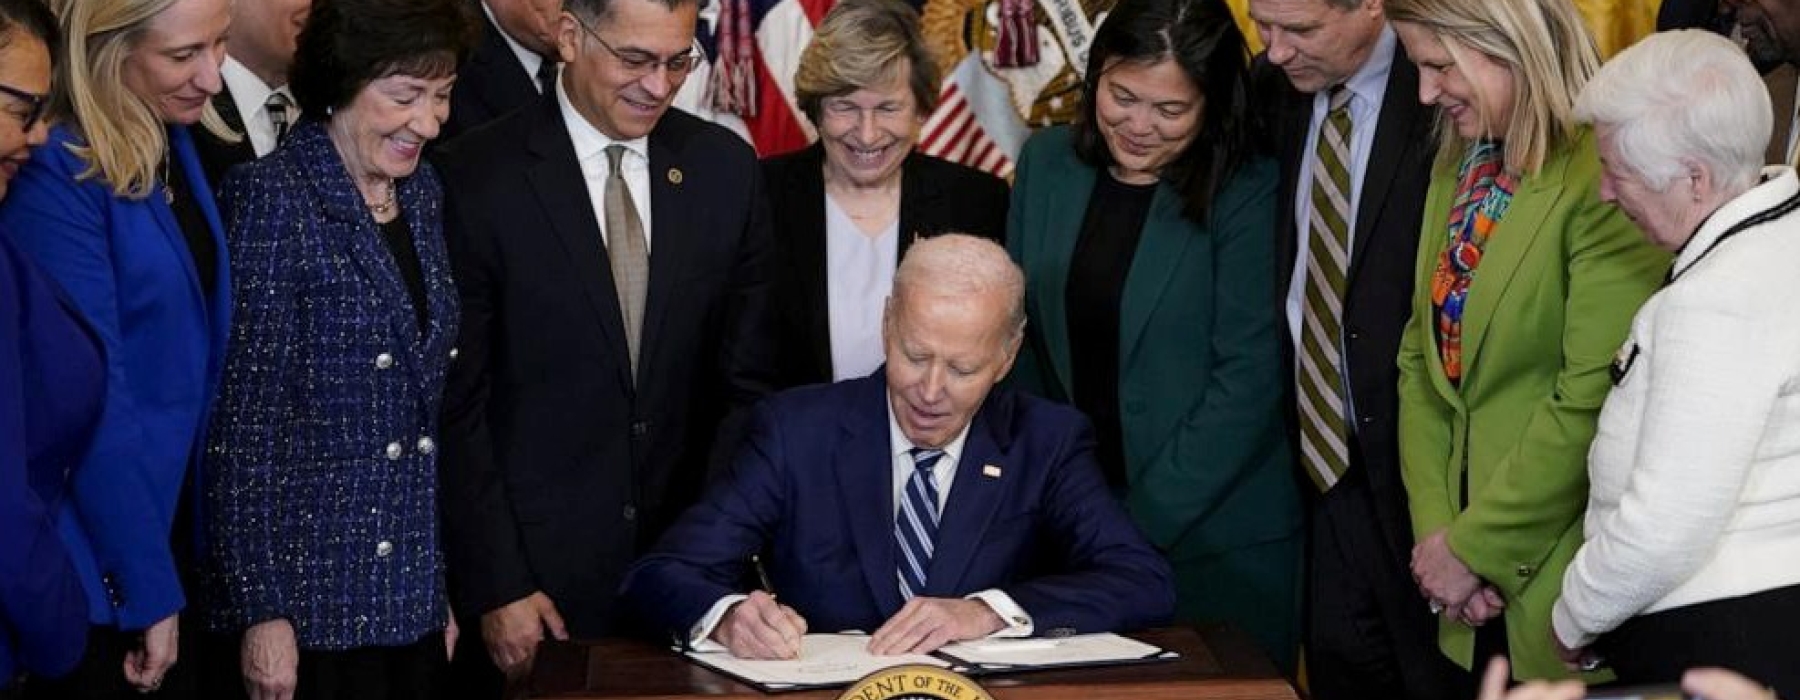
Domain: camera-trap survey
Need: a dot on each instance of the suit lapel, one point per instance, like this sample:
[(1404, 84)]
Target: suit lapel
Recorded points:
[(561, 190), (805, 209), (1166, 236), (1296, 119), (675, 234), (1395, 139), (1505, 252), (863, 463), (919, 197), (187, 155), (974, 498), (1071, 184)]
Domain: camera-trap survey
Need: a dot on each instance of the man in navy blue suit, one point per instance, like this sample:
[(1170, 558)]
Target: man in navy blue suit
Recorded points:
[(840, 489)]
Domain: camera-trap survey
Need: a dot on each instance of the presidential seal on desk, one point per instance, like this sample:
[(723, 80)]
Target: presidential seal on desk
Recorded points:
[(915, 682)]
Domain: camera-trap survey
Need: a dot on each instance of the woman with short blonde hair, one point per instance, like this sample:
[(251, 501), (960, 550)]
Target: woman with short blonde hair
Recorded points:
[(116, 210), (1525, 284)]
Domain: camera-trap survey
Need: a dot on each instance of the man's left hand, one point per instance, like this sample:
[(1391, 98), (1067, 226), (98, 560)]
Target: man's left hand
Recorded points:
[(925, 624)]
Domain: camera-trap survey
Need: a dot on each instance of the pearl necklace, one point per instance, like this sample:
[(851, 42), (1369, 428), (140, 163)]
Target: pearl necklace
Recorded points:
[(386, 204)]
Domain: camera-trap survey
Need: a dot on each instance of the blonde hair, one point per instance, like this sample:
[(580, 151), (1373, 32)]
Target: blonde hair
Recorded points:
[(1541, 42), (864, 43), (125, 139)]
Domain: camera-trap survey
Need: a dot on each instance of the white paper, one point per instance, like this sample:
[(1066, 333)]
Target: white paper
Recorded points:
[(1048, 651), (825, 659)]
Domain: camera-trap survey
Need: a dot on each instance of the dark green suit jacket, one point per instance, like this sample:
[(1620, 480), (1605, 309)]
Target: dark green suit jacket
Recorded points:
[(1200, 381)]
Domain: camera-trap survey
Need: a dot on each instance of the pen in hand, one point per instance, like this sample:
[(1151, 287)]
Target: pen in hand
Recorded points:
[(762, 578)]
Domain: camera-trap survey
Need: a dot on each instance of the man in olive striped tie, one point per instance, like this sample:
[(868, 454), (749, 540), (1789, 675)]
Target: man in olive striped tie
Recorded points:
[(1355, 148), (920, 502)]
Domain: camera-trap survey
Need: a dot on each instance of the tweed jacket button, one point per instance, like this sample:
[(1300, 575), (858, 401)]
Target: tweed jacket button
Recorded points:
[(452, 353), (1524, 571), (426, 446), (384, 548), (394, 450), (384, 361)]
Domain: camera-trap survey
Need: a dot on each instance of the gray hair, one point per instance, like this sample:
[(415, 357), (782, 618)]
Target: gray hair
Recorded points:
[(961, 265), (1682, 95)]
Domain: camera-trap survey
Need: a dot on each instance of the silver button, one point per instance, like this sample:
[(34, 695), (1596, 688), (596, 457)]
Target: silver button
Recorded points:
[(452, 353), (394, 450), (426, 446), (384, 548), (384, 361)]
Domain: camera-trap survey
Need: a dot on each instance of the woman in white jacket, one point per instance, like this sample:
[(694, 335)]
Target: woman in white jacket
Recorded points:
[(1692, 551)]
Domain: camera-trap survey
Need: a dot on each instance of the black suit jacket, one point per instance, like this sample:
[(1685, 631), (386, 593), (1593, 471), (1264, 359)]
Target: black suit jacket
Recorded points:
[(489, 84), (936, 196), (557, 470), (1383, 248), (216, 154)]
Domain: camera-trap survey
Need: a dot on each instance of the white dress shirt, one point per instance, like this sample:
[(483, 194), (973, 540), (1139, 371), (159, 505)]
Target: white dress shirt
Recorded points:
[(251, 95), (859, 271), (1694, 470), (590, 152), (1018, 622), (529, 59)]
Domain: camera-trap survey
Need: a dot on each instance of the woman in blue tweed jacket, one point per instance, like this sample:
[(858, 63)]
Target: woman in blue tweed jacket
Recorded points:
[(321, 474)]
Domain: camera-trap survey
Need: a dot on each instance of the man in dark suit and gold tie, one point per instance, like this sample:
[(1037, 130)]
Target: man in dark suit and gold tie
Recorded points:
[(1355, 150), (611, 258)]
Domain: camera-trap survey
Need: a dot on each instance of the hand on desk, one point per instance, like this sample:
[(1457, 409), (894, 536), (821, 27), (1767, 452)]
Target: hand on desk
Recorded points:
[(760, 628), (925, 624), (512, 631)]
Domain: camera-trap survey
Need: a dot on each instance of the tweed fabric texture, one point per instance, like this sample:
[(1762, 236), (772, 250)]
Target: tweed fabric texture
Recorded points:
[(321, 472)]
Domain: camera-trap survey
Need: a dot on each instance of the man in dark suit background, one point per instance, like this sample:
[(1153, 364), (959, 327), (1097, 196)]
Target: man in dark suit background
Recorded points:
[(611, 258), (1771, 34), (1355, 149), (255, 101), (1029, 540), (514, 63)]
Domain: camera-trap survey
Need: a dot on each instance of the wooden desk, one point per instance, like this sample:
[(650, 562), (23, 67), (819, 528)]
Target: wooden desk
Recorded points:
[(1216, 664)]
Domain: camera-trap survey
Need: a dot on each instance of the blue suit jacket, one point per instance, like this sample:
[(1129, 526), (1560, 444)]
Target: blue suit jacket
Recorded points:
[(51, 379), (126, 267), (812, 490), (329, 407)]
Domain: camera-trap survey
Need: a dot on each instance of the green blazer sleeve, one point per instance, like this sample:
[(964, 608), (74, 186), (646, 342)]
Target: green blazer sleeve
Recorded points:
[(1560, 279)]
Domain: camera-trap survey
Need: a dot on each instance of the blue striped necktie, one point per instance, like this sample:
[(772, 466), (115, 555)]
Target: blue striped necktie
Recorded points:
[(916, 525)]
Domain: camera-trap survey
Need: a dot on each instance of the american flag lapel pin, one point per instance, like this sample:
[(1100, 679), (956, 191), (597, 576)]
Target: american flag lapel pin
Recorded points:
[(990, 471)]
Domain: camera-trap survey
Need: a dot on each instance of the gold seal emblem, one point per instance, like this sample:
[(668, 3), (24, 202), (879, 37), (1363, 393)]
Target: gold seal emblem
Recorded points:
[(1045, 89), (915, 682)]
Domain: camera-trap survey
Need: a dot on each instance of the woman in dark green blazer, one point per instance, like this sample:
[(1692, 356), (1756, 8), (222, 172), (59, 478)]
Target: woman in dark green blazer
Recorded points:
[(1145, 232)]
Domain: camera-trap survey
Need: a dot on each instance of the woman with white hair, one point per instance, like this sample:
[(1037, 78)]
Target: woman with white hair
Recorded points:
[(1694, 507)]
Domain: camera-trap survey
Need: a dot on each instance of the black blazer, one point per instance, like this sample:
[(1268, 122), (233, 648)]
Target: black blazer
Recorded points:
[(936, 196), (491, 83), (557, 470), (1382, 255), (216, 154)]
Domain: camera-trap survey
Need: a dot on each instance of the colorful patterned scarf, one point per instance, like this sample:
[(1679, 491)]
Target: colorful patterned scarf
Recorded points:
[(1483, 192)]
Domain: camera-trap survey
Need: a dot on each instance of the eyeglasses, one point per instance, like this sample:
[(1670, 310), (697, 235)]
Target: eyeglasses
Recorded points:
[(642, 63), (34, 105)]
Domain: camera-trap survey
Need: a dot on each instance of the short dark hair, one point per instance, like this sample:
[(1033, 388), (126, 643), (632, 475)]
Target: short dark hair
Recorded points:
[(597, 9), (1202, 39), (32, 17), (346, 44)]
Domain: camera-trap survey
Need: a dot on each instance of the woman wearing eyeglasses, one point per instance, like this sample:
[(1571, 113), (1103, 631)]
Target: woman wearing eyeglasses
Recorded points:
[(846, 208), (115, 210), (51, 378)]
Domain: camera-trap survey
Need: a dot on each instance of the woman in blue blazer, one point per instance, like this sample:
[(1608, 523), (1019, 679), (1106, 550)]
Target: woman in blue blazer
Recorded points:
[(51, 379), (340, 342), (114, 209), (1147, 236)]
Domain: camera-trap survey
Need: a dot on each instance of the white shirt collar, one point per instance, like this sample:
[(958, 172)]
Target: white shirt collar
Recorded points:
[(899, 444), (1369, 82), (589, 142), (1777, 184), (247, 90), (531, 60)]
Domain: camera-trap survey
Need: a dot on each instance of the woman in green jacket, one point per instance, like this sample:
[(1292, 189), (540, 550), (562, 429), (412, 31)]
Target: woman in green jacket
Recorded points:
[(1146, 235), (1526, 284)]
